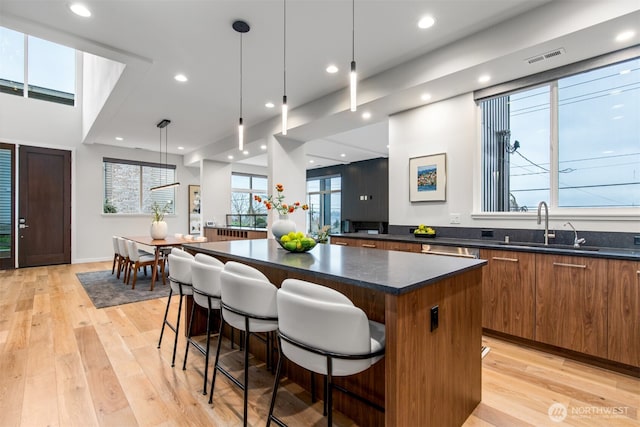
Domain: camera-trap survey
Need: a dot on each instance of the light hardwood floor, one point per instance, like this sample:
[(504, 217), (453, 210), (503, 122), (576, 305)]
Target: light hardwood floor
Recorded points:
[(65, 363)]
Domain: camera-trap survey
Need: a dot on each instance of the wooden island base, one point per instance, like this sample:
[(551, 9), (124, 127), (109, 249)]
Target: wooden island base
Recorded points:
[(427, 378)]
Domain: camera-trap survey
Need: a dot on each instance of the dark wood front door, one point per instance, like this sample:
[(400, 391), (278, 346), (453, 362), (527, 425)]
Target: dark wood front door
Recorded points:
[(44, 220)]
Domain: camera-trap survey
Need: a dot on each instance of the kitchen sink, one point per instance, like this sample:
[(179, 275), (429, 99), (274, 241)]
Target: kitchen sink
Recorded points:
[(550, 246)]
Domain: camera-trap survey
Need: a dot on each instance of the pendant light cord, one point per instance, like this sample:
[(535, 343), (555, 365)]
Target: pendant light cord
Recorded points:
[(240, 75), (285, 48), (353, 30)]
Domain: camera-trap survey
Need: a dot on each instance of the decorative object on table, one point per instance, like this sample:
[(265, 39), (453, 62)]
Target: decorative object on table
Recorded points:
[(427, 178), (159, 228), (195, 221), (424, 231), (296, 242), (283, 225), (322, 235), (106, 290)]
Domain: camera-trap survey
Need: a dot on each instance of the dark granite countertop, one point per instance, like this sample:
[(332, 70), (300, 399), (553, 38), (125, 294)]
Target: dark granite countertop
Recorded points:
[(391, 272), (586, 251)]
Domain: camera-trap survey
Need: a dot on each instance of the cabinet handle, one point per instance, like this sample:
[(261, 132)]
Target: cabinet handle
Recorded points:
[(638, 272), (340, 243), (562, 264), (499, 258), (368, 245)]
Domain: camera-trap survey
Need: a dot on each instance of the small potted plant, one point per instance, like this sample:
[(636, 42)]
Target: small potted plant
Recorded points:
[(159, 227)]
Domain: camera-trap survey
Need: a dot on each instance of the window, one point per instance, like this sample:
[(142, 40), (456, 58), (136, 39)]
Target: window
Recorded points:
[(324, 197), (127, 184), (589, 119), (50, 68), (245, 211)]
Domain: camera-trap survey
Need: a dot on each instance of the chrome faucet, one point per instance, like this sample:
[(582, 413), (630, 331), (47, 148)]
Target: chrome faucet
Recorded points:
[(546, 221), (576, 242)]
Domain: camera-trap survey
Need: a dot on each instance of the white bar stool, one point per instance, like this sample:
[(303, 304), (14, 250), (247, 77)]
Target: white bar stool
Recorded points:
[(248, 304), (322, 331), (180, 281)]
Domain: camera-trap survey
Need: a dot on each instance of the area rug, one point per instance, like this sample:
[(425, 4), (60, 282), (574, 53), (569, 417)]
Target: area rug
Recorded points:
[(105, 290)]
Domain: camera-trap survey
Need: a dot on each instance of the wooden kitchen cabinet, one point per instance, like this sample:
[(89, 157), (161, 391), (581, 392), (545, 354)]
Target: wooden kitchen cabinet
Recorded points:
[(401, 246), (624, 312), (571, 303), (508, 292), (363, 243)]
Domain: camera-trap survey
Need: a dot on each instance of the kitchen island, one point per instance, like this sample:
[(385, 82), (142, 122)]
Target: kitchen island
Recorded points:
[(427, 377)]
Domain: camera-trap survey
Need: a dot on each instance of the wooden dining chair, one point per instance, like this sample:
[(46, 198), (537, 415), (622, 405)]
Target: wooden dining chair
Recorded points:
[(138, 260)]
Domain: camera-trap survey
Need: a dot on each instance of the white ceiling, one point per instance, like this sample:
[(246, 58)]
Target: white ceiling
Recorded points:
[(157, 39)]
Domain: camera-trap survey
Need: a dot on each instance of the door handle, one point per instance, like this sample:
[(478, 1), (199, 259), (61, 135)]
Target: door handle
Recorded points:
[(23, 226)]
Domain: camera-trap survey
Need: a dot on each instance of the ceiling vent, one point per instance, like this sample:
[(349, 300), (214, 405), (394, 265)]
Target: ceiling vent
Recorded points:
[(545, 56)]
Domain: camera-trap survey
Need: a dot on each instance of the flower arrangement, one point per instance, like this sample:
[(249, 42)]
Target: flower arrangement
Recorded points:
[(277, 202), (159, 212)]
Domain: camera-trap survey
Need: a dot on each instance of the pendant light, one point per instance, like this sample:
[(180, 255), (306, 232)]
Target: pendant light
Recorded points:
[(285, 108), (163, 125), (353, 76), (241, 27)]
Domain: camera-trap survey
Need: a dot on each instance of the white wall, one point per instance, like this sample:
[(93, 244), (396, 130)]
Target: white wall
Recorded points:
[(215, 191), (444, 127), (99, 77), (452, 127), (92, 228)]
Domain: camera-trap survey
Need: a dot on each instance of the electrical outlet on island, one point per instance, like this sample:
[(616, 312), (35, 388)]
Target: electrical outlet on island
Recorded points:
[(454, 218)]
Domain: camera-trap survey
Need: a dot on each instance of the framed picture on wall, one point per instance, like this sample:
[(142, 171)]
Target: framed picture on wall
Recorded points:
[(428, 178), (195, 221)]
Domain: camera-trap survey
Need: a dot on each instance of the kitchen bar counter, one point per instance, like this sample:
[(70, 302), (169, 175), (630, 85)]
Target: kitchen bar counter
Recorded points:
[(427, 377)]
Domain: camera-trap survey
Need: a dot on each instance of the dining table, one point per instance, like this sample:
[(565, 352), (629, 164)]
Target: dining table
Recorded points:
[(158, 245)]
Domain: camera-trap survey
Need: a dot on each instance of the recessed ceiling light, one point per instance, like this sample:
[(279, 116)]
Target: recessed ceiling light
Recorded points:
[(119, 138), (80, 10), (618, 117), (387, 145), (615, 107), (245, 152), (627, 71), (366, 115), (332, 69), (615, 92), (607, 152), (263, 147), (425, 96), (343, 155), (269, 104), (311, 161), (426, 22), (180, 78), (625, 35), (484, 78), (230, 157), (181, 148)]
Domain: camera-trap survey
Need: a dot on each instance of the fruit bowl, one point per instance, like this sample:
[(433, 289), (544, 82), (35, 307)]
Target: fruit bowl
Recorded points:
[(296, 242), (425, 235), (424, 232)]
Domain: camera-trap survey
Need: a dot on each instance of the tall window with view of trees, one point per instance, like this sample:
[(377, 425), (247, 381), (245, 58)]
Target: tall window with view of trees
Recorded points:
[(324, 197), (574, 141), (245, 211)]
